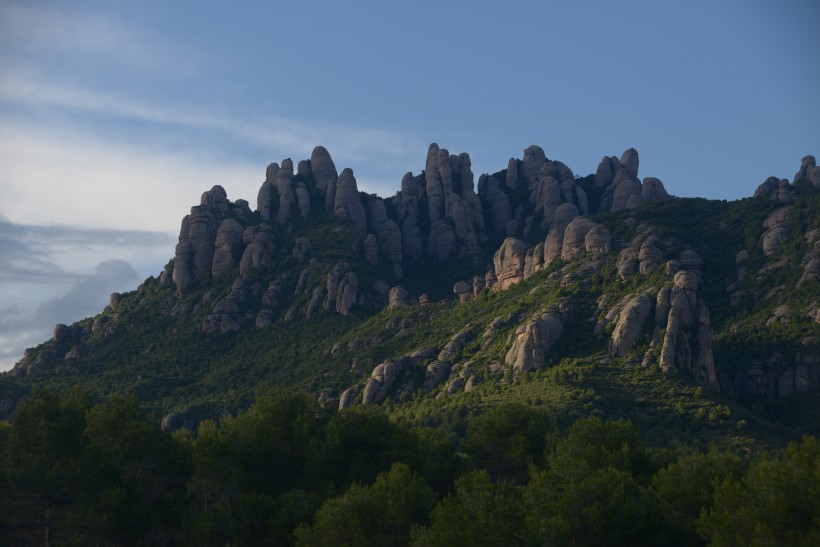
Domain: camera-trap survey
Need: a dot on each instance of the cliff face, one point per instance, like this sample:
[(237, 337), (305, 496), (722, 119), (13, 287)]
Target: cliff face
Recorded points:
[(645, 279)]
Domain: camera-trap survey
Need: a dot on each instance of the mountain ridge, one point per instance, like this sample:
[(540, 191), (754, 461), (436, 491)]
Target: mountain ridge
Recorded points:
[(611, 247)]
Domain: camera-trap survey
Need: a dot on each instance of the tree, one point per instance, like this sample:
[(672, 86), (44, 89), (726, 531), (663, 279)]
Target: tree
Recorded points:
[(381, 514), (687, 486), (507, 440), (479, 512), (40, 467), (776, 503)]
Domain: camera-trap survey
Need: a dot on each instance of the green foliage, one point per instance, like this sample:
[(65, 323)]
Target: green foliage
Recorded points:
[(381, 514), (507, 440), (78, 472), (776, 503), (479, 512)]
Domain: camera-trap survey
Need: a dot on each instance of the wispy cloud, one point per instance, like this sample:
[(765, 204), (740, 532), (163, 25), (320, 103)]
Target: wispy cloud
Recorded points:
[(32, 254), (28, 32), (60, 274), (85, 297)]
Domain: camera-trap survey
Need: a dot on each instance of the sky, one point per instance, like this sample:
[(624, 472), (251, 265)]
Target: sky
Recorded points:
[(116, 115)]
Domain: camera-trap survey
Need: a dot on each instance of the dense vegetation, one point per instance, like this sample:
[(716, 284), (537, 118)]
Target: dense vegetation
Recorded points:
[(287, 472)]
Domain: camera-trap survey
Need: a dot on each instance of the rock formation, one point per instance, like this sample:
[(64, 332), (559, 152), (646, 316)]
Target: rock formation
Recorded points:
[(532, 341), (347, 205)]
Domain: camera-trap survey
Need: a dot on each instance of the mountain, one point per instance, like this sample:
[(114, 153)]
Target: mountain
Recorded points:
[(449, 285), (543, 359)]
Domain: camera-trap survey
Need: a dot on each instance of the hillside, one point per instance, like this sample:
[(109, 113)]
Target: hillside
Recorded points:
[(443, 289)]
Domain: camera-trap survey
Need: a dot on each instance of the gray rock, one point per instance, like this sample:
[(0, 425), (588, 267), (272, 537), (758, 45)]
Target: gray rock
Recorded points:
[(463, 290), (442, 242), (564, 214), (303, 200), (686, 280), (653, 190), (768, 186), (284, 187), (370, 250), (398, 297), (650, 256), (509, 262), (629, 161), (390, 241), (195, 251), (553, 245), (777, 231), (316, 300), (454, 346), (630, 324), (229, 247), (433, 183), (531, 164), (583, 201), (534, 259), (348, 397), (271, 296), (606, 170), (301, 248), (531, 342), (498, 204), (263, 199), (347, 205), (627, 263), (625, 190), (512, 174), (575, 238), (807, 165), (434, 375), (325, 175), (381, 380), (598, 240)]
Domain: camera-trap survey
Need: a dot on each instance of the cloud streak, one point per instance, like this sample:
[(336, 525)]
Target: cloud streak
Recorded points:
[(61, 274)]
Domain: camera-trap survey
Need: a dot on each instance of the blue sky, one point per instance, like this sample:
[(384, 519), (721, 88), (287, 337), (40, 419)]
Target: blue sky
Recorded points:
[(117, 115)]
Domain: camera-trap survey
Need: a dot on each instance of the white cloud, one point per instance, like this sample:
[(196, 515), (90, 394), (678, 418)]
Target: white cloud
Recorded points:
[(60, 274), (60, 176)]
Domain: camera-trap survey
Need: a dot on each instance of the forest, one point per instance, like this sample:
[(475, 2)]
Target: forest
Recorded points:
[(74, 471)]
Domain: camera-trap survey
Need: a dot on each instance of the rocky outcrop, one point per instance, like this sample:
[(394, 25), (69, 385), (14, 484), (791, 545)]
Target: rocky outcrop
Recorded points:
[(532, 341), (509, 262), (682, 299), (347, 205), (259, 250), (381, 381), (397, 297), (435, 373), (283, 184), (629, 161), (777, 231), (232, 312), (808, 170), (598, 240), (301, 248), (195, 251), (630, 324), (777, 189), (324, 173), (496, 203), (264, 199), (574, 241), (454, 346), (653, 190), (229, 247), (341, 289)]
